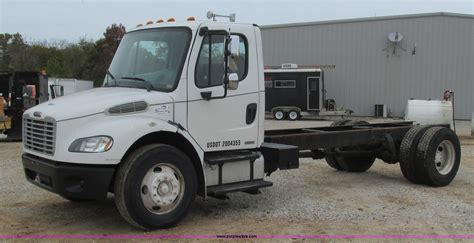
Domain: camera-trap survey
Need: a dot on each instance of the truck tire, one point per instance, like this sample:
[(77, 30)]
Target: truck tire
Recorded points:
[(407, 156), (439, 152), (355, 164), (331, 159), (155, 186), (294, 115), (76, 200), (279, 115)]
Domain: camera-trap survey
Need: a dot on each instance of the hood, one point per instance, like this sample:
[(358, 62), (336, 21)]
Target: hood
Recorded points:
[(95, 101)]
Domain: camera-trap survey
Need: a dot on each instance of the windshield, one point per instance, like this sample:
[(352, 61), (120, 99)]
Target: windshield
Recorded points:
[(154, 56)]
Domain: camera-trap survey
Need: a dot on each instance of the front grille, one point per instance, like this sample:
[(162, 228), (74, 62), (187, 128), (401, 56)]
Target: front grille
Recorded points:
[(39, 135)]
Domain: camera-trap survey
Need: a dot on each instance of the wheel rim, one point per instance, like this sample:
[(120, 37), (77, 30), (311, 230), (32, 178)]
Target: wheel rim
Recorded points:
[(445, 157), (279, 115), (293, 115), (162, 188)]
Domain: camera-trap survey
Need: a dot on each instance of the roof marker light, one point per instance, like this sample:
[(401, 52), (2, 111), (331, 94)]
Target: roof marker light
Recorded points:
[(160, 21), (170, 20), (191, 18), (139, 25), (149, 22)]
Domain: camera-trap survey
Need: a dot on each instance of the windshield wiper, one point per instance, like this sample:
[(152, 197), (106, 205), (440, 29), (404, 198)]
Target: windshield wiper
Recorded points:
[(109, 74), (149, 85)]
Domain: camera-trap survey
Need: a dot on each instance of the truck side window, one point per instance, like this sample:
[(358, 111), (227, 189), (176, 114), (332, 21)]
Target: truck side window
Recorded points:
[(210, 63)]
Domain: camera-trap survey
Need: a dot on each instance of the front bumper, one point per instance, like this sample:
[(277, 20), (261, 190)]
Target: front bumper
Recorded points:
[(69, 180)]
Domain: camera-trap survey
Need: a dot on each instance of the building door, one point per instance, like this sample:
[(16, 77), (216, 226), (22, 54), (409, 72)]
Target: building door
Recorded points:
[(313, 93)]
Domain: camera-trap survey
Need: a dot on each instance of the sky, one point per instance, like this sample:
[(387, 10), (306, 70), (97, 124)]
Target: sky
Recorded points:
[(70, 20)]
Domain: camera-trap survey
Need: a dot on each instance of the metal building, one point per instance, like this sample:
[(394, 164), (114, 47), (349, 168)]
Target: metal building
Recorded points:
[(364, 67)]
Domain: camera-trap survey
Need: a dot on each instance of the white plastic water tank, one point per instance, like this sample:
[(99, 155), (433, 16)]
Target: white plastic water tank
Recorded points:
[(430, 112)]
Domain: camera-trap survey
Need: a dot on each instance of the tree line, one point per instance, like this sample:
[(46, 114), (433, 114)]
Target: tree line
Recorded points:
[(85, 59)]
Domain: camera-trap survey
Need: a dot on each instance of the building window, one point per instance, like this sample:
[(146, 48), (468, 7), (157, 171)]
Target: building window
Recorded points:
[(210, 64), (268, 84), (285, 84)]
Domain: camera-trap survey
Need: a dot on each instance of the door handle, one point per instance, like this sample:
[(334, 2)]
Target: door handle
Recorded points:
[(251, 113), (207, 95)]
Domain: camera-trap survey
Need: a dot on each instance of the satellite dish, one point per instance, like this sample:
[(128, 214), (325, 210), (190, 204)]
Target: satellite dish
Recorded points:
[(395, 37)]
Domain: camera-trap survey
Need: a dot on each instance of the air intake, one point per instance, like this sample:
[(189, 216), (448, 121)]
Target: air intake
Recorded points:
[(128, 108)]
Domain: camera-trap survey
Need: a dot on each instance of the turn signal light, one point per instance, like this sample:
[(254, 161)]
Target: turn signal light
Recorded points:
[(170, 20), (191, 18)]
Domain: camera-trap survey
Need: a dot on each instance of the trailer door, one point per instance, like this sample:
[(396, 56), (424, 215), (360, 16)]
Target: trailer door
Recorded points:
[(313, 93)]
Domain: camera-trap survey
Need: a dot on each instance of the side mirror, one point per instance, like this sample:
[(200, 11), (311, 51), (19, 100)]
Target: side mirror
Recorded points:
[(233, 81), (234, 45)]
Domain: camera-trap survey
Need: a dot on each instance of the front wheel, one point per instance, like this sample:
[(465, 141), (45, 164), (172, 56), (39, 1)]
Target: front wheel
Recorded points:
[(155, 186)]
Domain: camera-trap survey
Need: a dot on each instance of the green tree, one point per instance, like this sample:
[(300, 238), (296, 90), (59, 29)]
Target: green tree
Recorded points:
[(83, 60)]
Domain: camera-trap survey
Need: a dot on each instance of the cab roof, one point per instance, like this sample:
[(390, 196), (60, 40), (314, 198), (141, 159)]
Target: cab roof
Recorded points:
[(193, 25)]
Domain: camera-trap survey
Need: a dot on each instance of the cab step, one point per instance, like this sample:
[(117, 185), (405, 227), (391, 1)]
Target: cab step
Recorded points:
[(219, 158), (246, 186)]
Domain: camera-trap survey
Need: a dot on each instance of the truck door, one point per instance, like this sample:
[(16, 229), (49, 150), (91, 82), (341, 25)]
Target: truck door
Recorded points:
[(313, 93), (224, 123)]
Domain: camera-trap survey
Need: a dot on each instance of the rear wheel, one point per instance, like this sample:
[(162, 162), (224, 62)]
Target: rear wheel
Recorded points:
[(439, 153), (155, 186), (354, 164), (411, 170), (330, 158), (279, 115), (294, 115), (76, 200)]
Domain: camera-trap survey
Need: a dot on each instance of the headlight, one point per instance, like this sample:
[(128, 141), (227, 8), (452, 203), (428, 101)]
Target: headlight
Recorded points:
[(97, 144)]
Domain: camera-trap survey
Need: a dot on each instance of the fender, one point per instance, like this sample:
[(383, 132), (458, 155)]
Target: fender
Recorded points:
[(124, 130), (184, 142)]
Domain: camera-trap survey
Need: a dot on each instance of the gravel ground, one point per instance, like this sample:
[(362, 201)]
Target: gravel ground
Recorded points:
[(311, 200)]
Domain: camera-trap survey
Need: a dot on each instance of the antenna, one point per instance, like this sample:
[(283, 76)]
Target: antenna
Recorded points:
[(212, 15)]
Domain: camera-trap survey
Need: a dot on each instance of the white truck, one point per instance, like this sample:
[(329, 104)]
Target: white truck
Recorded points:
[(181, 114)]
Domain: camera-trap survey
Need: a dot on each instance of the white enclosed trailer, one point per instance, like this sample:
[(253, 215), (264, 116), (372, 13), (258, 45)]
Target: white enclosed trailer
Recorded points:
[(182, 114), (65, 86)]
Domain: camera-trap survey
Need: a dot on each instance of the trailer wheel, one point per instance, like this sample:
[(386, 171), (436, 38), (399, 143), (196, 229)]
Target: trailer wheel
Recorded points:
[(155, 186), (355, 164), (294, 115), (279, 115), (407, 156), (439, 152), (331, 160)]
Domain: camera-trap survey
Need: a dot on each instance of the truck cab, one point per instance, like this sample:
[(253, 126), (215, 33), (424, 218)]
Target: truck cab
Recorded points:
[(181, 99)]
